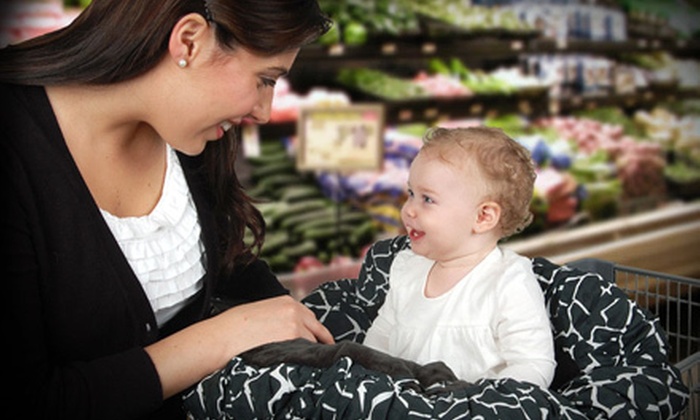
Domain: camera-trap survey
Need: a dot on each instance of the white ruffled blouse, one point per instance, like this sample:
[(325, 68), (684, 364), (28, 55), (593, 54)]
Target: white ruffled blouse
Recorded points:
[(164, 247)]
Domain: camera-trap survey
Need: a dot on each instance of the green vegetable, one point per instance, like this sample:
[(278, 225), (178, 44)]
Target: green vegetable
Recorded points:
[(303, 207), (330, 221), (682, 173), (355, 33), (300, 192), (274, 241), (305, 247), (381, 84), (331, 37), (327, 233), (286, 166), (293, 220)]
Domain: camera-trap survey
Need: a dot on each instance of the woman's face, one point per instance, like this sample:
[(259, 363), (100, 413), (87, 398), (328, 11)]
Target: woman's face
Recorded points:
[(219, 89)]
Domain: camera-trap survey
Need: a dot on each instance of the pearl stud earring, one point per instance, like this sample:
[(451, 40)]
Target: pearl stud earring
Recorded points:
[(182, 63)]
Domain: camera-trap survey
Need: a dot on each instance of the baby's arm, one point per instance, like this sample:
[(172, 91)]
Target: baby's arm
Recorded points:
[(379, 332), (524, 332)]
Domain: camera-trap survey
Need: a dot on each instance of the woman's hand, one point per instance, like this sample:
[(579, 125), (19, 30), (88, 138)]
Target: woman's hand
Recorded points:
[(187, 356), (270, 320)]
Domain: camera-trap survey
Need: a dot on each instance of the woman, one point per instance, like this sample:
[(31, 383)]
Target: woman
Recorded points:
[(123, 217)]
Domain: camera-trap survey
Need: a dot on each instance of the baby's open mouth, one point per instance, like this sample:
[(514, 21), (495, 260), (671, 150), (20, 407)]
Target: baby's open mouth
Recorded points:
[(415, 234)]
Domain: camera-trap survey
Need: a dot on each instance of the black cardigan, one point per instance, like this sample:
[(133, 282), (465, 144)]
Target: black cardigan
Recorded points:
[(76, 318)]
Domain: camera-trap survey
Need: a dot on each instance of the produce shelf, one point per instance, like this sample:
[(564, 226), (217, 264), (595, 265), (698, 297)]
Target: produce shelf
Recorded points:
[(494, 45), (641, 99), (531, 103), (657, 240), (436, 109)]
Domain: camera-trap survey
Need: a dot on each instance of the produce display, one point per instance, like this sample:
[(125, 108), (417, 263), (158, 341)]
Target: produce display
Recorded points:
[(381, 84), (468, 19), (443, 79), (571, 19), (360, 21), (304, 225), (500, 81), (357, 20), (639, 165), (593, 166), (662, 68), (663, 18), (678, 132), (286, 103)]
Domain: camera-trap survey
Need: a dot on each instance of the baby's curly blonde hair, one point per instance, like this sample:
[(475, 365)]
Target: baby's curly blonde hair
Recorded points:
[(504, 163)]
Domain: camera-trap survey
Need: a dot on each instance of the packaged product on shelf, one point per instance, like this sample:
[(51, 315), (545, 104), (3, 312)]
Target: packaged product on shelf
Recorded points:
[(286, 103), (624, 79), (573, 21)]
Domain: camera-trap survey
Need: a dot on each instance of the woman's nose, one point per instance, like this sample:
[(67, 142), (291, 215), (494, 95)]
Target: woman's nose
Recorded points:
[(261, 110)]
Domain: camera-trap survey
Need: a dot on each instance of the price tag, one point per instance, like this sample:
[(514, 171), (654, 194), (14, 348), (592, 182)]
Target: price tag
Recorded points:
[(389, 48), (524, 107), (405, 115), (341, 138), (430, 113), (554, 107), (336, 50), (562, 43), (429, 48)]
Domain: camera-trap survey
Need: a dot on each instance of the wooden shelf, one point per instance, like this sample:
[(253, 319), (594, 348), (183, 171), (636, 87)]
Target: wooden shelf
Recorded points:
[(666, 240)]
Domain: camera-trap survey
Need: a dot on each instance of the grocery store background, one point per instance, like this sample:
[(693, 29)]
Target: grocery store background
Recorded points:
[(605, 94)]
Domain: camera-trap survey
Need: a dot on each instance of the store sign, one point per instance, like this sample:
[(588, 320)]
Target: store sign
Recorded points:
[(341, 138)]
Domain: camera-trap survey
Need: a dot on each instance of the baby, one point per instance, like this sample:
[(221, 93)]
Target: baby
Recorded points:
[(455, 295)]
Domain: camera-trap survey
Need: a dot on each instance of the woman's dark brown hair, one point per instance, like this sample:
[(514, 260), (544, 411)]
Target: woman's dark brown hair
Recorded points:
[(116, 40)]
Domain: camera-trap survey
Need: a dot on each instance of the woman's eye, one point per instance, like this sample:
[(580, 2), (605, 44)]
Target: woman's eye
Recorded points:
[(267, 82)]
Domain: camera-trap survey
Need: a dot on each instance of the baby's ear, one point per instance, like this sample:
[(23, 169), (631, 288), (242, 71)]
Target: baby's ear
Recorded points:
[(488, 216)]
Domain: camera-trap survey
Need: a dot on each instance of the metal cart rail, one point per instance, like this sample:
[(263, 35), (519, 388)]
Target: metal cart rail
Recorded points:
[(675, 300)]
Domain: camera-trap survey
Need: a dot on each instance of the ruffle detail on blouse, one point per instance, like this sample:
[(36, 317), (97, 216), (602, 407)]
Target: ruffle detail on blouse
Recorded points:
[(164, 247)]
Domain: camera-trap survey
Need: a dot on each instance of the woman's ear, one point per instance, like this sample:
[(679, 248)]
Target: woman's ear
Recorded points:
[(187, 39), (488, 216)]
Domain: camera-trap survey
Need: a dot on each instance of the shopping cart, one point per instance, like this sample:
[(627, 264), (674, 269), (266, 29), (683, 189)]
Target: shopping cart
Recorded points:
[(675, 300)]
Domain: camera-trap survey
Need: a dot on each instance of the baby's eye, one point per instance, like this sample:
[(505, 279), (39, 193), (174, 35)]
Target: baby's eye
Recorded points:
[(410, 192), (427, 199)]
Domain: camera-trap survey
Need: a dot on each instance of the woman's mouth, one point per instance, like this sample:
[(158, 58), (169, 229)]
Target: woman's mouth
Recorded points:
[(226, 125), (223, 128)]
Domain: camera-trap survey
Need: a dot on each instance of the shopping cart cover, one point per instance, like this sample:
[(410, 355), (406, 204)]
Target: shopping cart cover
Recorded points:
[(612, 363)]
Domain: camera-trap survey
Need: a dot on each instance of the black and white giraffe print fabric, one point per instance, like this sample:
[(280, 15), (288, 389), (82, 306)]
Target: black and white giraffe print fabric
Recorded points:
[(612, 363)]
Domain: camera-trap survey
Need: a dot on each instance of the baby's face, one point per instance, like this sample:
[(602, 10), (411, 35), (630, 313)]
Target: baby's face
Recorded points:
[(442, 206)]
